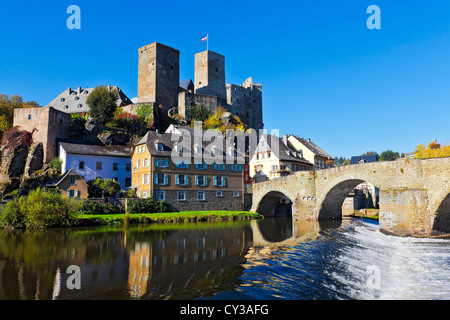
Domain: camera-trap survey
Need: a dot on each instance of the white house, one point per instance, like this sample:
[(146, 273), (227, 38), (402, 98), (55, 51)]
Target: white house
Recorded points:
[(93, 161)]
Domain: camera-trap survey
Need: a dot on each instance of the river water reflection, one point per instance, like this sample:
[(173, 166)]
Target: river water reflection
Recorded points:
[(267, 259)]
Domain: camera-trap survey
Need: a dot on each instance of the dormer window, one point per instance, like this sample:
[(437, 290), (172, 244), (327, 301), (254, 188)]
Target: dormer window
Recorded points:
[(86, 92), (77, 98), (80, 106), (62, 99), (160, 147), (66, 107)]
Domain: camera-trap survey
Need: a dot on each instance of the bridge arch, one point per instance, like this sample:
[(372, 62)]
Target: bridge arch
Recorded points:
[(441, 221), (275, 203), (334, 191)]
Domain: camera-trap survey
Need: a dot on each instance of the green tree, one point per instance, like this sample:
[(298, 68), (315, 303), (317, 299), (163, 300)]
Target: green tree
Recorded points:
[(102, 103), (389, 155), (99, 187), (199, 113)]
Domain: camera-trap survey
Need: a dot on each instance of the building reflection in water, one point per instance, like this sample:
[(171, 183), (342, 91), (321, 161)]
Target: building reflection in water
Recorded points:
[(140, 262)]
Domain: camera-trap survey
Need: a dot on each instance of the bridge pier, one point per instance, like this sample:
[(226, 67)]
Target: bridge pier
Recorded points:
[(404, 212)]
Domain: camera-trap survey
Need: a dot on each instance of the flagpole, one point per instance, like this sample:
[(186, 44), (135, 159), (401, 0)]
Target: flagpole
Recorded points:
[(207, 42)]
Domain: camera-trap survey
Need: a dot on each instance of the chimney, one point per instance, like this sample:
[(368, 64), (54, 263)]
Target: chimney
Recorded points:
[(109, 87), (69, 90), (79, 90), (285, 139), (309, 139)]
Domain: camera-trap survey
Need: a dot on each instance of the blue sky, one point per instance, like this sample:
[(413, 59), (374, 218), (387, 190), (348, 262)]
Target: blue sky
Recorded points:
[(325, 75)]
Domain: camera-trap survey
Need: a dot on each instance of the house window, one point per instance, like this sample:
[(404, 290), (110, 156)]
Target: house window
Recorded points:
[(66, 107), (161, 163), (146, 162), (71, 193), (182, 179), (62, 99), (138, 163), (144, 195), (80, 105), (219, 194), (201, 195), (29, 117), (160, 195), (115, 166), (98, 165), (236, 167), (181, 195), (127, 182), (160, 147), (81, 165), (145, 179), (219, 181), (275, 167), (219, 166), (72, 180), (258, 168), (236, 194), (201, 165), (77, 98), (128, 167), (77, 193), (200, 180), (161, 178)]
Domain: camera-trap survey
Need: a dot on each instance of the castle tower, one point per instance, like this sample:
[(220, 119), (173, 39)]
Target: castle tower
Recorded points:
[(159, 75), (209, 77)]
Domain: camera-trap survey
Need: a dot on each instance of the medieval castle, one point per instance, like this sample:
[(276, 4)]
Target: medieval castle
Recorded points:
[(159, 83)]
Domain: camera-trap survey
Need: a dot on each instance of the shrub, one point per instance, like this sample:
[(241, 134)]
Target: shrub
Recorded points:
[(56, 163), (40, 209), (148, 205), (92, 207)]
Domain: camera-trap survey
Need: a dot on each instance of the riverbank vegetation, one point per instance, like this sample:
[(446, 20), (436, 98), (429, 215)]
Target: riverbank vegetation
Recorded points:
[(49, 209)]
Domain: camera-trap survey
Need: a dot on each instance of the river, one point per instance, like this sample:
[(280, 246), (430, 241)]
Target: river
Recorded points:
[(265, 260)]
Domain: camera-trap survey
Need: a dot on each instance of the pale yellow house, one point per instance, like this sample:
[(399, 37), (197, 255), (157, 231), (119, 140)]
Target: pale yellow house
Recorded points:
[(273, 158), (310, 151)]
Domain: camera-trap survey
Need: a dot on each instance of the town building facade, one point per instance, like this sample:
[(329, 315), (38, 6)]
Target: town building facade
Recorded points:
[(95, 161), (310, 151), (189, 184), (273, 158)]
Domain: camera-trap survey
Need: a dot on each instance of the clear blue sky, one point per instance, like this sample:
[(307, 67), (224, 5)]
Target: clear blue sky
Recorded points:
[(325, 75)]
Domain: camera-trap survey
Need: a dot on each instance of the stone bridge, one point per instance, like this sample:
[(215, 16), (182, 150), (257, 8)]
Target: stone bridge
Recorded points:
[(414, 194)]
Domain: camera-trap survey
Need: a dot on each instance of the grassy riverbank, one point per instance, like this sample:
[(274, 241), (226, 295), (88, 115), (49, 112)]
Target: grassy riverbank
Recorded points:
[(165, 217)]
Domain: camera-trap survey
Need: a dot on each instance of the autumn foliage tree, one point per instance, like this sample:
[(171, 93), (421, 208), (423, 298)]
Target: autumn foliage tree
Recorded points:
[(7, 106), (433, 150)]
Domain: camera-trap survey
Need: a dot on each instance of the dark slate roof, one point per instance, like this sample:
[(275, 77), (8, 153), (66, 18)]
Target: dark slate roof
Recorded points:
[(187, 84), (153, 138), (55, 183), (96, 150), (284, 152), (75, 100), (313, 147), (357, 159)]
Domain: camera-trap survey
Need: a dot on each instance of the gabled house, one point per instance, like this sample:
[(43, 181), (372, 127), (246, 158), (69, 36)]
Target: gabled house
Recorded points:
[(311, 152), (75, 101), (274, 158), (97, 161), (362, 159), (71, 184)]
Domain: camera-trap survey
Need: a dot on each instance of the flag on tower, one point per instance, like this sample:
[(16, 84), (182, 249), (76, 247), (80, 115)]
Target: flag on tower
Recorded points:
[(205, 38)]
